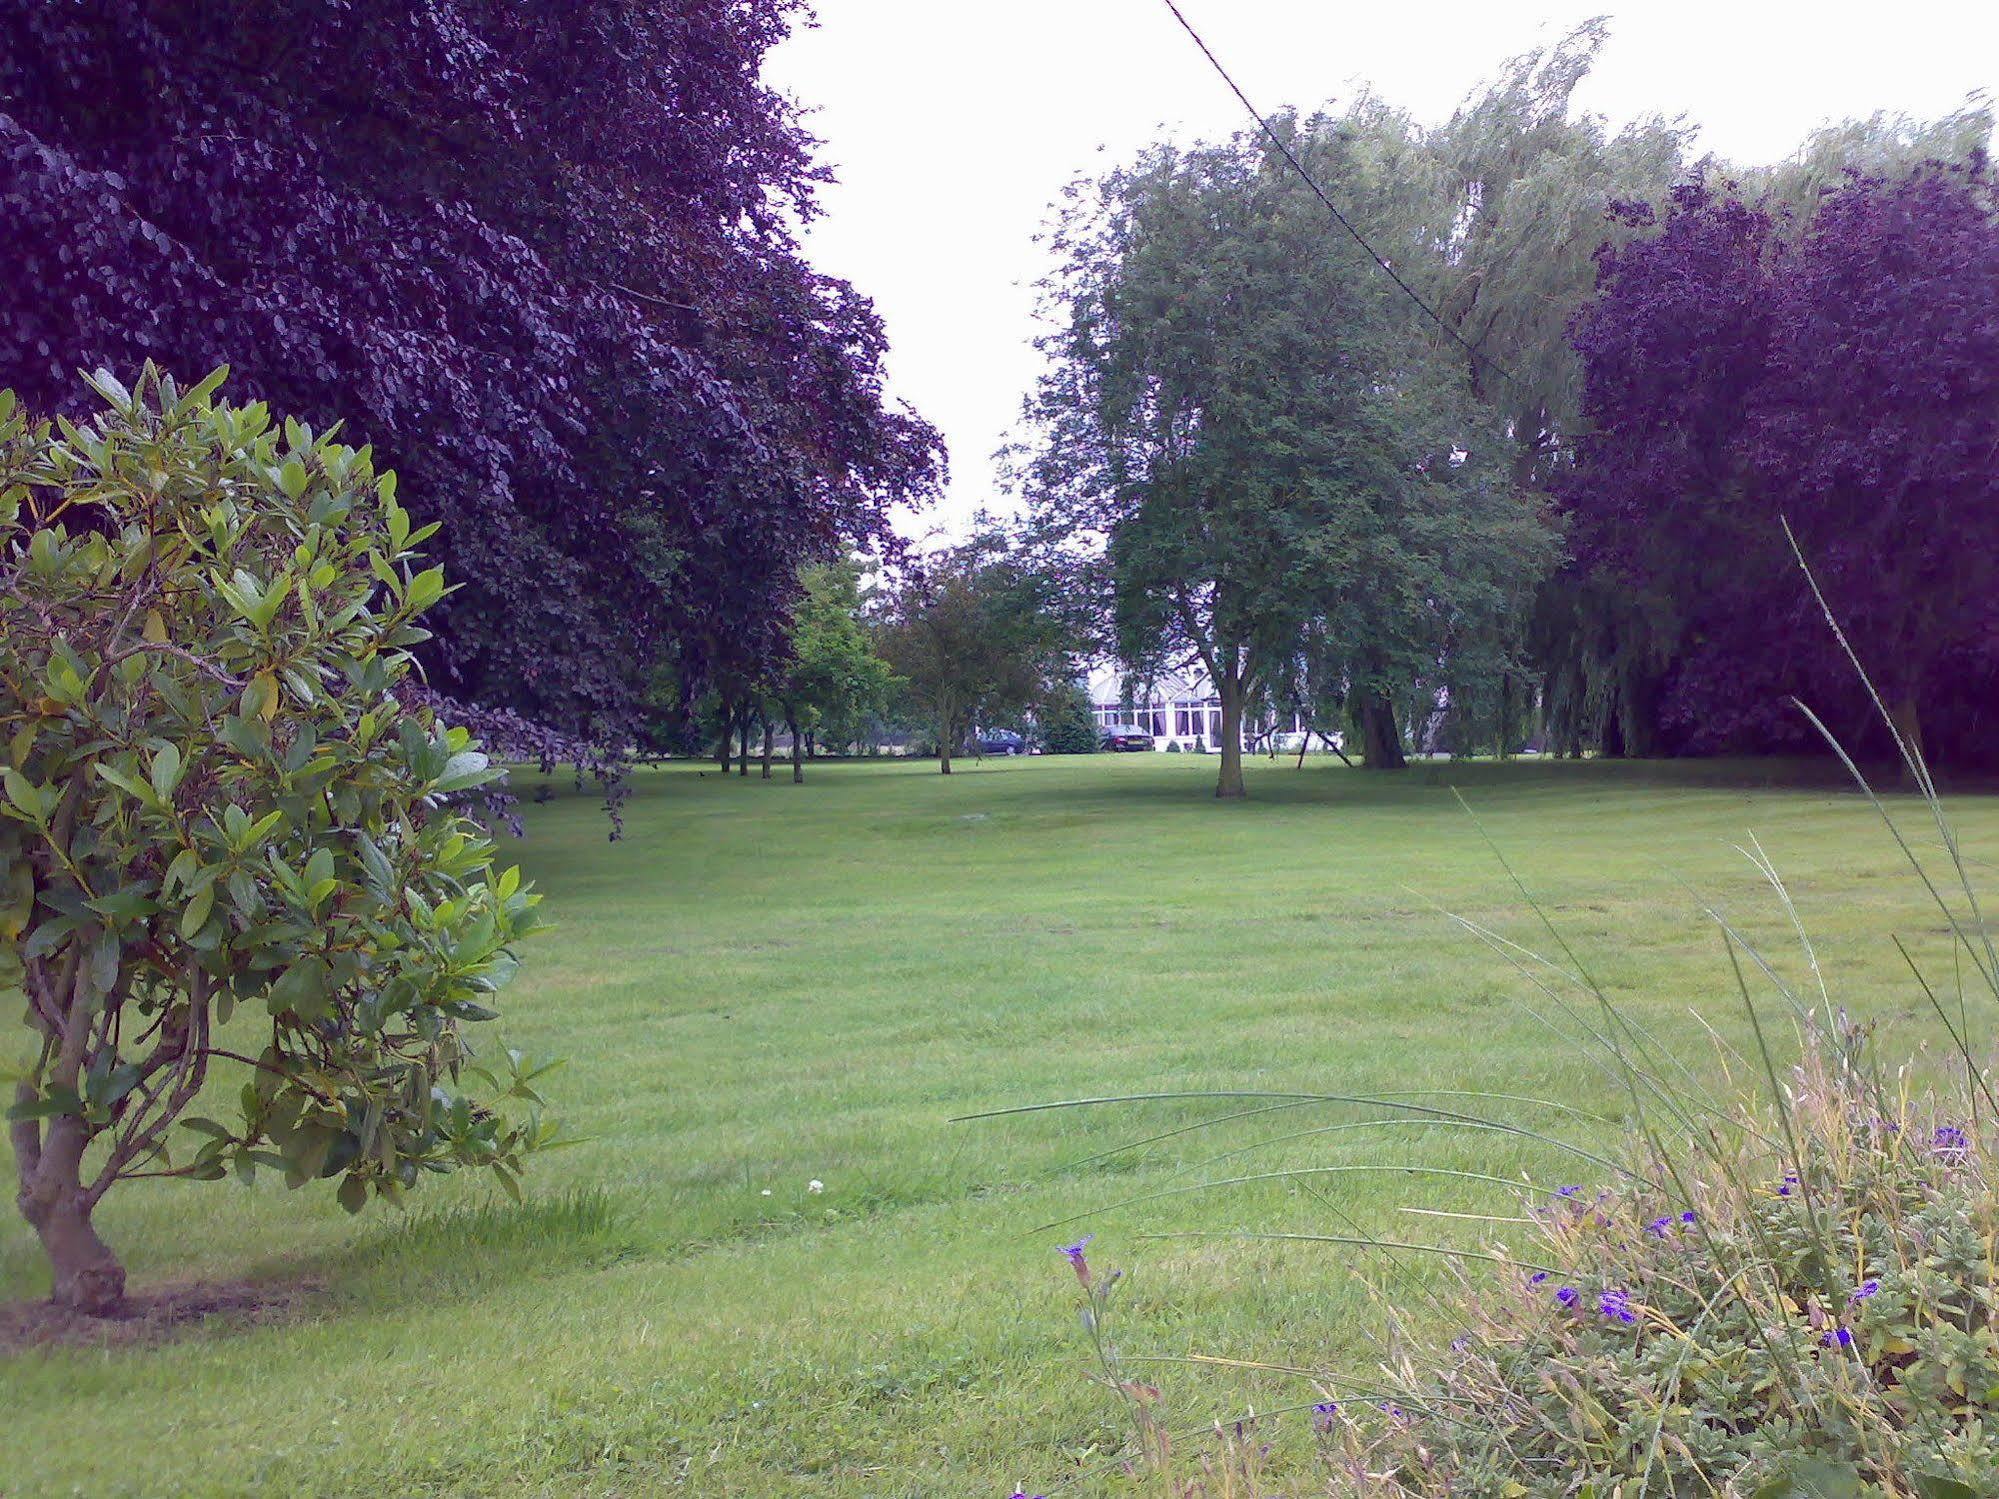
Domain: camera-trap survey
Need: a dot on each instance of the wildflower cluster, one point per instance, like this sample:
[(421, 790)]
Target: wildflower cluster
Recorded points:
[(1822, 1307)]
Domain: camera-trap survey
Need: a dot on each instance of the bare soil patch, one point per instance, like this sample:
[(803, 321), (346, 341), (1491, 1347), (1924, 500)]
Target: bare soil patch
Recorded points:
[(156, 1315)]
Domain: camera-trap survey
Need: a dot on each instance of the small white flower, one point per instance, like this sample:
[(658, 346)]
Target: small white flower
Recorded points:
[(766, 1191), (815, 1185)]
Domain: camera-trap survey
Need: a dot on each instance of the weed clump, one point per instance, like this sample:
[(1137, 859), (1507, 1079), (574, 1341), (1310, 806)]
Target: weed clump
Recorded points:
[(1813, 1312)]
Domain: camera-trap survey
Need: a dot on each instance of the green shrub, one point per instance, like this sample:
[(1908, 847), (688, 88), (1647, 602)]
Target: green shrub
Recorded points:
[(1067, 725), (1817, 1322), (216, 808)]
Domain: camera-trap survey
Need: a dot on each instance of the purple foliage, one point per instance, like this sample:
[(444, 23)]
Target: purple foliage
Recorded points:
[(542, 256), (1739, 370)]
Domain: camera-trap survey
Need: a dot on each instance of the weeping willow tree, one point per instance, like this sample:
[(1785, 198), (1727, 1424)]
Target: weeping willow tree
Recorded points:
[(1528, 187)]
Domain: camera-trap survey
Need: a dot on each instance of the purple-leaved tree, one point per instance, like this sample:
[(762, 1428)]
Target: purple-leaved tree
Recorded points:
[(543, 257), (1844, 376)]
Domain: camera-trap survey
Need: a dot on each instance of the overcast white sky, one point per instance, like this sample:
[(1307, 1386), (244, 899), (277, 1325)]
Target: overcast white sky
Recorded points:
[(954, 123)]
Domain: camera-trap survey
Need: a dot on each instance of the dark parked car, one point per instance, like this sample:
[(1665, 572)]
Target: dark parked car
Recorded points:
[(1000, 742), (1122, 736)]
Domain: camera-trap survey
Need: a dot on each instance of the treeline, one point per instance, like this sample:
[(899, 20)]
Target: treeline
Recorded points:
[(1548, 504), (972, 637)]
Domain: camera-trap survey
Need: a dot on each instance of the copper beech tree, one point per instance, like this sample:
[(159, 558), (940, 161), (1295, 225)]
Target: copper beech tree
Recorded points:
[(225, 844), (545, 258)]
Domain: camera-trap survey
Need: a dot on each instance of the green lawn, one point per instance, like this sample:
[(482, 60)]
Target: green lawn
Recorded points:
[(766, 984)]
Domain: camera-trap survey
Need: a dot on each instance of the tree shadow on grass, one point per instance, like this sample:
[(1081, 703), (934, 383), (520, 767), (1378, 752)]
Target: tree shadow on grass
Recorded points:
[(1281, 783), (435, 1254), (453, 1251)]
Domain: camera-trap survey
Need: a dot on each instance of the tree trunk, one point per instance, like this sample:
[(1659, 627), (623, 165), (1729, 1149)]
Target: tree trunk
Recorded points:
[(1228, 785), (743, 744), (797, 752), (1906, 716), (944, 727), (728, 733), (1381, 735), (1612, 747), (770, 733), (52, 1198), (87, 1274)]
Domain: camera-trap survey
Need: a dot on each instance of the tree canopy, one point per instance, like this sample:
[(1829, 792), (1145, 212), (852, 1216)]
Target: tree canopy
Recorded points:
[(977, 635), (1745, 368), (1266, 458), (833, 686), (544, 259)]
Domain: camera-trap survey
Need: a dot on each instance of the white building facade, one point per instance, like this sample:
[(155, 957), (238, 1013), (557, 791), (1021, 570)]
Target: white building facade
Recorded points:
[(1178, 709)]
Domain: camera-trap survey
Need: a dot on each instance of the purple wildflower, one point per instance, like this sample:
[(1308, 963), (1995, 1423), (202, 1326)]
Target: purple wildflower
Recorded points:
[(1838, 1337), (1950, 1142), (1659, 1226), (1323, 1413), (1075, 1253), (1790, 1181), (1866, 1289), (1537, 1277), (1616, 1305), (1690, 1218), (1569, 1192), (1567, 1295)]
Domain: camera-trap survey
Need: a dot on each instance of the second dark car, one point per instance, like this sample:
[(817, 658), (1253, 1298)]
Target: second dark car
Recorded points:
[(1123, 736)]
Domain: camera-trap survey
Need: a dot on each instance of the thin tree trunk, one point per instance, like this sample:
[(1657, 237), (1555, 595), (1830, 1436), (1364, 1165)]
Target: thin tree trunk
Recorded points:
[(770, 733), (1906, 716), (743, 745), (1382, 736), (944, 726), (1612, 747), (1228, 785), (54, 1200), (728, 733), (797, 752)]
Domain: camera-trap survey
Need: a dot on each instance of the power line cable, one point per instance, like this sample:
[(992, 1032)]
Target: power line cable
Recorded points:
[(1332, 208)]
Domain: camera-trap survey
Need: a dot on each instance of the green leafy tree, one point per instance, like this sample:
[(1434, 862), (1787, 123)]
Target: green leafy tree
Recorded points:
[(223, 837), (1267, 455), (834, 683), (977, 635), (1521, 192)]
